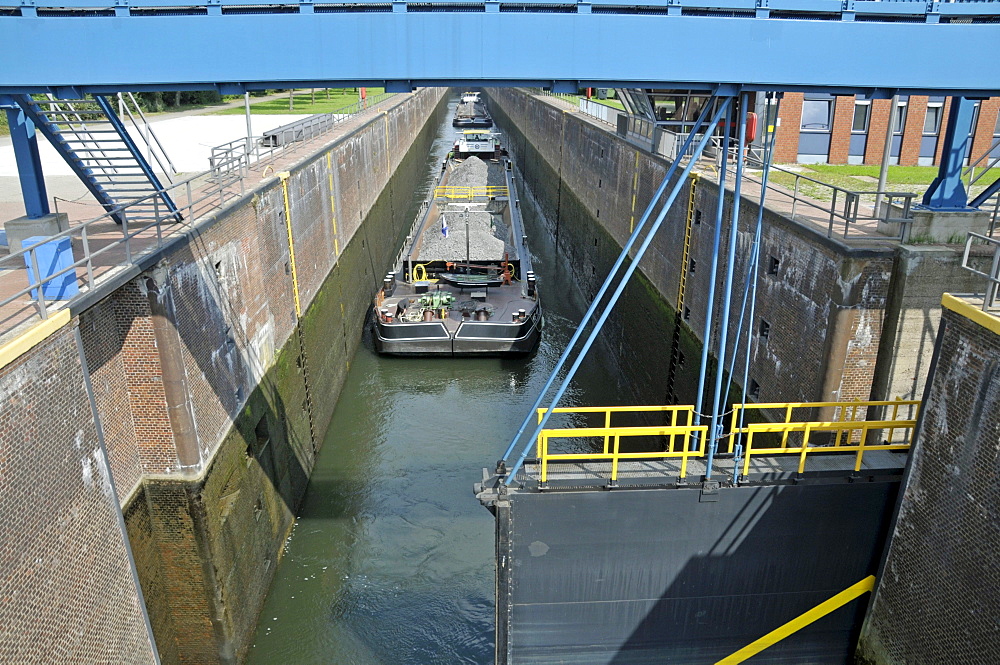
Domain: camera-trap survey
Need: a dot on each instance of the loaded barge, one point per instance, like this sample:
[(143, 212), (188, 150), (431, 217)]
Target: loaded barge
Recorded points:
[(463, 284), (471, 113)]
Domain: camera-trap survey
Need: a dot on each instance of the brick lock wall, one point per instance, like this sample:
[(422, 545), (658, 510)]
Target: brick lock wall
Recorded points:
[(786, 142), (840, 138), (938, 590), (913, 130), (67, 591)]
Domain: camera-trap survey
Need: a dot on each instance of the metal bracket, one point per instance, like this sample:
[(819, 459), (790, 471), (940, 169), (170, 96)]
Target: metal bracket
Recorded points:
[(709, 491)]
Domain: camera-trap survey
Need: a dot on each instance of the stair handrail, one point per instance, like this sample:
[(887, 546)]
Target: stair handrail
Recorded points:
[(56, 109), (169, 170), (970, 170)]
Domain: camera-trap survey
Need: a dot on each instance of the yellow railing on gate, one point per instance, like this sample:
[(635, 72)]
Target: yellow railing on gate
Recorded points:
[(679, 431), (847, 412), (848, 432), (469, 193), (810, 428)]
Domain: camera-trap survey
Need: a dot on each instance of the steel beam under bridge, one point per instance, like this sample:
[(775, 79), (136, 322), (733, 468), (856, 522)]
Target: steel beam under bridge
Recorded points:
[(234, 45)]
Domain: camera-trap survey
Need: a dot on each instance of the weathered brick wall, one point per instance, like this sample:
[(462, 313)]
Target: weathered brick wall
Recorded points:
[(825, 304), (840, 137), (937, 595), (786, 143), (68, 592), (214, 313)]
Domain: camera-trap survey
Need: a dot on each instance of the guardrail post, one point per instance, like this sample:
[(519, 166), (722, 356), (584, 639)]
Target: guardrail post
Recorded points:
[(33, 259), (795, 195), (128, 246), (833, 208), (86, 255)]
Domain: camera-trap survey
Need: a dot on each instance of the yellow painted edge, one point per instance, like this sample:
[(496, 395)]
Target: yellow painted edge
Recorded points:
[(801, 621), (32, 337), (971, 312)]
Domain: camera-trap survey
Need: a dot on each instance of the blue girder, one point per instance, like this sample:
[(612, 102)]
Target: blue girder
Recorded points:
[(851, 46)]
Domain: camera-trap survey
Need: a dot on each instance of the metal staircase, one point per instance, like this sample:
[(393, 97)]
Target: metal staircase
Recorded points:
[(93, 140), (991, 162)]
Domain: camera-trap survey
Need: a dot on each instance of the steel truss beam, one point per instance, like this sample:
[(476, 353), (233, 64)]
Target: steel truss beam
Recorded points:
[(769, 45)]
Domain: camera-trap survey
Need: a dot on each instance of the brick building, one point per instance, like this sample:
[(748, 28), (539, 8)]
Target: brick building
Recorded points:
[(816, 128)]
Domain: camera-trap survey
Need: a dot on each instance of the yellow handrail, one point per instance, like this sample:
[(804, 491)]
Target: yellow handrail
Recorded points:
[(848, 407), (615, 455), (808, 428), (847, 595), (456, 192), (851, 435)]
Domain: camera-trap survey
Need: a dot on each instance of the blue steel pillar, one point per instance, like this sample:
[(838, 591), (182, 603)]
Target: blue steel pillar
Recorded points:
[(29, 166), (947, 191)]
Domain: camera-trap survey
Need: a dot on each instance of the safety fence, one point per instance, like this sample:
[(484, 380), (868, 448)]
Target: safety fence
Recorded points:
[(678, 434), (470, 193), (991, 294), (856, 427), (849, 214)]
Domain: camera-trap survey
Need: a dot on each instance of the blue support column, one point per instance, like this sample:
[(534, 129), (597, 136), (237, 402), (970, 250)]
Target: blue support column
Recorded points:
[(947, 191), (29, 165)]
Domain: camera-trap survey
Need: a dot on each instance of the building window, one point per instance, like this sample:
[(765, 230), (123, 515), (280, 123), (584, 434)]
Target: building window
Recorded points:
[(772, 265), (753, 392), (765, 330), (932, 121), (900, 115), (816, 115), (687, 313), (697, 213), (694, 264), (862, 112)]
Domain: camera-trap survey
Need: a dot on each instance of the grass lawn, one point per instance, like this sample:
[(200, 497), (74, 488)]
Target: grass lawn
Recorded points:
[(898, 179), (339, 98), (4, 129)]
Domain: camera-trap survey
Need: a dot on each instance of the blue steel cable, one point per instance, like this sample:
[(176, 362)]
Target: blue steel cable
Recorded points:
[(618, 291), (768, 155), (713, 273), (728, 292), (752, 262), (607, 282)]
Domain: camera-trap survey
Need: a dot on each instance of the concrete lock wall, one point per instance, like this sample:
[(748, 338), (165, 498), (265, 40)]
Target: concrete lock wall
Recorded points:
[(211, 396), (938, 589), (846, 321)]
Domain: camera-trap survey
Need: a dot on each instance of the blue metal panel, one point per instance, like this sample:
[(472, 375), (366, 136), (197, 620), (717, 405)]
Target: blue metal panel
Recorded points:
[(947, 192), (451, 47), (29, 166), (928, 144), (858, 144), (814, 143)]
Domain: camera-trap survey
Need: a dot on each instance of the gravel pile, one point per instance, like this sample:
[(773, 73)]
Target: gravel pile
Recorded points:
[(486, 234), (474, 172)]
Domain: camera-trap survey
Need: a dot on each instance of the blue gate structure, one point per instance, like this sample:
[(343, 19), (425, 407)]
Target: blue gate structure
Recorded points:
[(863, 46)]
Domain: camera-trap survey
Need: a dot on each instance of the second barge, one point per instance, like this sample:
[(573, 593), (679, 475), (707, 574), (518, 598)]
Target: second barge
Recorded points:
[(464, 285)]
